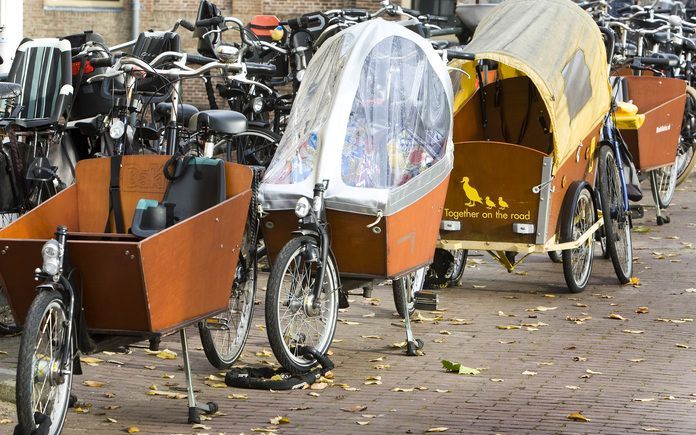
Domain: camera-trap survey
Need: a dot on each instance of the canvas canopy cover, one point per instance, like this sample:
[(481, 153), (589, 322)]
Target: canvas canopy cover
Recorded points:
[(560, 48), (374, 117)]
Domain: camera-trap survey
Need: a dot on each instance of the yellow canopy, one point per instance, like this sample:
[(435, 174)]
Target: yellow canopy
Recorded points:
[(558, 46)]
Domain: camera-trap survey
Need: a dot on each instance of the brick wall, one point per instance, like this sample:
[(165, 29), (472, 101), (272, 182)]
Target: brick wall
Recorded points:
[(115, 27)]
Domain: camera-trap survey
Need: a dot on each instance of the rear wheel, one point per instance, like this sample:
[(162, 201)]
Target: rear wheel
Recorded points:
[(293, 321), (555, 256), (617, 223), (409, 285), (663, 182), (256, 146), (43, 384), (578, 217), (446, 269), (686, 152)]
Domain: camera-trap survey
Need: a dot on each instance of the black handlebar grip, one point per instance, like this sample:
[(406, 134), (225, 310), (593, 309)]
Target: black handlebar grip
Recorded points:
[(210, 22), (260, 69), (356, 12), (455, 54), (657, 61), (101, 62), (197, 59), (187, 25), (437, 18), (413, 12)]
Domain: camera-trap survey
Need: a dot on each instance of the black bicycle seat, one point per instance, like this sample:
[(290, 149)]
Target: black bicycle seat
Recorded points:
[(10, 90), (219, 121)]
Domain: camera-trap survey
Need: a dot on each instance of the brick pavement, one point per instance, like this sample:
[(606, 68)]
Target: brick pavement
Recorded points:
[(501, 399)]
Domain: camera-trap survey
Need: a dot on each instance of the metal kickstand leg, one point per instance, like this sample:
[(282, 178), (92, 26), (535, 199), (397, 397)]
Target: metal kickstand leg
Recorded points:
[(412, 344), (193, 408), (661, 220)]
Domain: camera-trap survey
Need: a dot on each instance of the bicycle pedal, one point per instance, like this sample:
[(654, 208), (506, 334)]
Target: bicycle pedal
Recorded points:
[(637, 211), (426, 300)]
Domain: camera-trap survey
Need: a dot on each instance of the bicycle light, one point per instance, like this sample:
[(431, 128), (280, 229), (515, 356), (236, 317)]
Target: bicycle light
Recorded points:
[(257, 104), (117, 129), (302, 208), (51, 257)]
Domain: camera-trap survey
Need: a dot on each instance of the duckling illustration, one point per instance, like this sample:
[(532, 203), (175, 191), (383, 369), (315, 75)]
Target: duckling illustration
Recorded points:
[(503, 205), (471, 193), (489, 204)]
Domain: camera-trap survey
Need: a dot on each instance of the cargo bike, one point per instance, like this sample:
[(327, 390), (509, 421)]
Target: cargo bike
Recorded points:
[(363, 167), (100, 289), (535, 158)]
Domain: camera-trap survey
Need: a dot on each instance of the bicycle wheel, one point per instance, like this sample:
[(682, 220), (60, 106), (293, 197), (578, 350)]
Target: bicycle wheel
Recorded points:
[(663, 183), (446, 269), (256, 146), (43, 385), (292, 321), (7, 323), (223, 337), (555, 256), (687, 143), (617, 224), (411, 283), (578, 217)]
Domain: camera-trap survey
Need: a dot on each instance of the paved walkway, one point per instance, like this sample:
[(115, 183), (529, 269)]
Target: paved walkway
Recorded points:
[(626, 376)]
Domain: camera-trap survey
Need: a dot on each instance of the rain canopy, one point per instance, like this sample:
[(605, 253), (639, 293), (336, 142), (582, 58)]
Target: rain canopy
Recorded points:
[(374, 117), (560, 48)]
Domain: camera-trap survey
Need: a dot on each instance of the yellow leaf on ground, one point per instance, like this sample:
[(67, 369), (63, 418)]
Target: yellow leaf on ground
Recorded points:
[(642, 310), (238, 396), (445, 332), (496, 380), (94, 384), (111, 420), (363, 423), (439, 390), (279, 420), (651, 429), (572, 387), (643, 399), (402, 390), (133, 429), (318, 386), (355, 408), (91, 361), (166, 354), (633, 331), (616, 316), (373, 337), (683, 346), (437, 429), (508, 327), (529, 373), (399, 345), (577, 416), (264, 353)]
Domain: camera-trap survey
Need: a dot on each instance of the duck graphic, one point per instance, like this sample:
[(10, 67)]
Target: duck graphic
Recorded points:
[(502, 204), (489, 204), (471, 193)]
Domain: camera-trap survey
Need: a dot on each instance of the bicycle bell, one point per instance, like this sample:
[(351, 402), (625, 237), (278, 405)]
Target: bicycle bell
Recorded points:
[(227, 53)]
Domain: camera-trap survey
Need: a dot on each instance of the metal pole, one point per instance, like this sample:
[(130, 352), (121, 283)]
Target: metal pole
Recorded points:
[(135, 20)]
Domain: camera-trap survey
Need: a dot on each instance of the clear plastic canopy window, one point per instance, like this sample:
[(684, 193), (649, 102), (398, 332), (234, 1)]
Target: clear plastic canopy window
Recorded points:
[(399, 119), (294, 160)]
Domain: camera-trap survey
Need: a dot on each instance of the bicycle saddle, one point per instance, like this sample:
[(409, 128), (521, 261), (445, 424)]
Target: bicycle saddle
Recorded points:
[(689, 44), (10, 90), (184, 112), (219, 121)]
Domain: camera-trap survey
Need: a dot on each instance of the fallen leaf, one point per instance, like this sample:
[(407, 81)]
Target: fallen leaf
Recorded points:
[(616, 316), (549, 296), (264, 430), (264, 353), (363, 423), (541, 309), (634, 281), (91, 361), (108, 420), (279, 420), (166, 376), (439, 390), (683, 346), (374, 337), (592, 372), (150, 367), (355, 408), (399, 345), (509, 327), (506, 341), (577, 416), (380, 359), (382, 366), (314, 394), (579, 305), (479, 286), (572, 387), (641, 229), (94, 384), (133, 429), (200, 426), (318, 386), (238, 396), (580, 358), (402, 390), (651, 429), (437, 429), (642, 310), (166, 354), (636, 360), (369, 315), (647, 399), (445, 332), (529, 373), (633, 331), (459, 369), (496, 380)]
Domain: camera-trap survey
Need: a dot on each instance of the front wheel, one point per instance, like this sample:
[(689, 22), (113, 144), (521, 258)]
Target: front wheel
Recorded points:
[(410, 284), (578, 216), (43, 383), (256, 146), (223, 337), (617, 223), (294, 322)]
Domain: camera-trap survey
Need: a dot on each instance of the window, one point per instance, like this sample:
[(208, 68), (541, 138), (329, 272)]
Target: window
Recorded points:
[(90, 4)]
